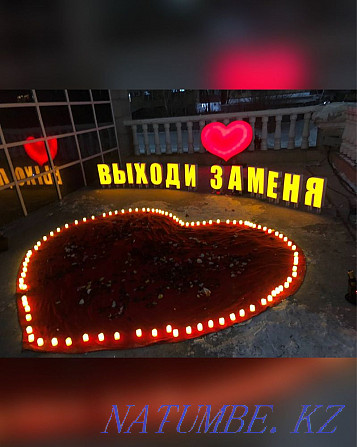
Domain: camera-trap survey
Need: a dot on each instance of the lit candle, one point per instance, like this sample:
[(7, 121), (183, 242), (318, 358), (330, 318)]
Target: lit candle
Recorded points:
[(139, 333), (101, 336)]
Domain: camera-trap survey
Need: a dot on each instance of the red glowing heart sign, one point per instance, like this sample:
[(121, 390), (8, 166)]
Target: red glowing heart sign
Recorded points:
[(37, 150), (226, 141)]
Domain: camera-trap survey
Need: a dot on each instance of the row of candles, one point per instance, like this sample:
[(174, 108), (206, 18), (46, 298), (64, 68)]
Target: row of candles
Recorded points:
[(169, 329)]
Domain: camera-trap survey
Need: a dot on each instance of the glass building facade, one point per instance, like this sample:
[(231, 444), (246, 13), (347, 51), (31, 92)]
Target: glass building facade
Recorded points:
[(50, 144)]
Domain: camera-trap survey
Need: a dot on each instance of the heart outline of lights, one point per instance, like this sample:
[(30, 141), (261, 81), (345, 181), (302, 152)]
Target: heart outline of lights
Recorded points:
[(65, 343)]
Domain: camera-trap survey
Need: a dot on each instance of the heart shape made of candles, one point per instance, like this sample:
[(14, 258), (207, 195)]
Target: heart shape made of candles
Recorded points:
[(37, 150), (226, 141), (130, 278)]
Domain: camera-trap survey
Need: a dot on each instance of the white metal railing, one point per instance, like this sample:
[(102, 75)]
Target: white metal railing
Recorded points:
[(182, 134), (349, 140)]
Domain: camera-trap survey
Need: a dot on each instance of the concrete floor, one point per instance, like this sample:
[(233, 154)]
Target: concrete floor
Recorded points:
[(316, 322)]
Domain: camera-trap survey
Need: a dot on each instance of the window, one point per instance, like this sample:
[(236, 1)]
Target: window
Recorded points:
[(71, 179), (13, 96), (56, 120), (100, 95), (83, 117), (89, 144), (50, 95), (107, 138), (78, 95), (38, 192), (104, 114), (18, 123), (66, 151), (5, 174), (91, 171)]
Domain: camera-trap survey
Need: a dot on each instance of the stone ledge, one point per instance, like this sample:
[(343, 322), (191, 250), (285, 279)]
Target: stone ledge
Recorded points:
[(344, 167)]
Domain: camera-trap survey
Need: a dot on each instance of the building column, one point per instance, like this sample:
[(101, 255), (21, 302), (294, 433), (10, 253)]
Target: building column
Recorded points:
[(121, 111)]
